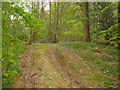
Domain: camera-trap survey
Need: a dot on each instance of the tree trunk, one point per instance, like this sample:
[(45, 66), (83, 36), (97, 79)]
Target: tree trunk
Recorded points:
[(31, 37), (86, 22), (56, 23), (50, 35)]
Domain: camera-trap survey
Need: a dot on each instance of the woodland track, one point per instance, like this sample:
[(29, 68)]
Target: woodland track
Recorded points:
[(51, 66)]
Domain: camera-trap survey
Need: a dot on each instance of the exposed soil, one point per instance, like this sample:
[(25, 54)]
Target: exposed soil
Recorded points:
[(51, 66)]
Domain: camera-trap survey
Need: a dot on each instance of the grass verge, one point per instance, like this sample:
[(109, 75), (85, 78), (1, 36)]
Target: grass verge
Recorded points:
[(105, 58)]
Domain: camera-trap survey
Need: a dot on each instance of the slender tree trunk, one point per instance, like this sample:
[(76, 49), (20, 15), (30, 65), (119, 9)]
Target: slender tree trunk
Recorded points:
[(86, 22), (31, 37), (50, 38), (56, 22), (42, 9)]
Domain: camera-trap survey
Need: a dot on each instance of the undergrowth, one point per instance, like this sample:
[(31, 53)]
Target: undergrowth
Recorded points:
[(11, 60), (106, 61)]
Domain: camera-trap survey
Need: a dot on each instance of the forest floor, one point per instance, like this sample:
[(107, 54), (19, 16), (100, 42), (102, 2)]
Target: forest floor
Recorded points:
[(54, 66)]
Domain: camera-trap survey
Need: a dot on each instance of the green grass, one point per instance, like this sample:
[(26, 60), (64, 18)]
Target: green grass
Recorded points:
[(41, 44), (107, 66)]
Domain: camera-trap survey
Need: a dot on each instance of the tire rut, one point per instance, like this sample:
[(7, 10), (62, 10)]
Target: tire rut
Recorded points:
[(38, 71), (50, 67)]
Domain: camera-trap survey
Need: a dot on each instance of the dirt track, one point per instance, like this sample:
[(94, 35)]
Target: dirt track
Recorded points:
[(51, 66)]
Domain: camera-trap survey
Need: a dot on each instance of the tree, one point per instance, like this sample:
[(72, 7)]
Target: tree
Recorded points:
[(56, 15), (86, 21), (50, 36)]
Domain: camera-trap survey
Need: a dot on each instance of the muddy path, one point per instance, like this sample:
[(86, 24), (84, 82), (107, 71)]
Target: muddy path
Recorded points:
[(52, 66)]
